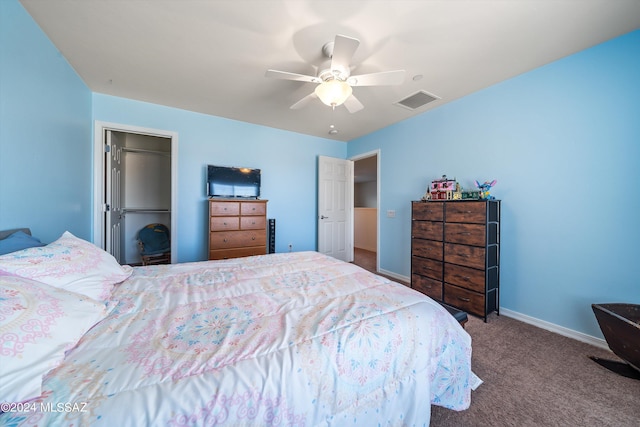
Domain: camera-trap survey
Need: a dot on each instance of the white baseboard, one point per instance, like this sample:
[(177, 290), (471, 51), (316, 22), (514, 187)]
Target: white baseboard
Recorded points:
[(561, 330), (396, 276)]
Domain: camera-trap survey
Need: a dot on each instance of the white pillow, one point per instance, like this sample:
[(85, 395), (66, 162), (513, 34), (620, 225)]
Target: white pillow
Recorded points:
[(38, 323), (69, 263)]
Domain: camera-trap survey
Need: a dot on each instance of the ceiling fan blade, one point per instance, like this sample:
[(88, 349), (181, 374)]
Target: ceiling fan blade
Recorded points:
[(353, 105), (285, 75), (343, 49), (385, 78), (304, 101)]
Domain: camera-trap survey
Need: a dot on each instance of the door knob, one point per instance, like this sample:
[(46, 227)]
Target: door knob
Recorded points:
[(324, 217)]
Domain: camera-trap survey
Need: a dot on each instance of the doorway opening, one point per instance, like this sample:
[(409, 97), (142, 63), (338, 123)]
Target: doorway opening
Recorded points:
[(366, 200), (135, 176)]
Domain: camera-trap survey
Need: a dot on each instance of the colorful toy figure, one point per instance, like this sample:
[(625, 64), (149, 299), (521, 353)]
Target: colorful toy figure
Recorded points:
[(484, 189)]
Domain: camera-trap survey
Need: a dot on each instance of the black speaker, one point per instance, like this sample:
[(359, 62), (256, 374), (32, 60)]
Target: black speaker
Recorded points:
[(272, 236)]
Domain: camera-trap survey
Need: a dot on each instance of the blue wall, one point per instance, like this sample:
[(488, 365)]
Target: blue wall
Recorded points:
[(45, 133), (288, 162), (46, 149), (563, 141)]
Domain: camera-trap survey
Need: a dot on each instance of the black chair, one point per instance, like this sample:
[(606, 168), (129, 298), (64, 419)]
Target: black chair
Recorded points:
[(154, 244)]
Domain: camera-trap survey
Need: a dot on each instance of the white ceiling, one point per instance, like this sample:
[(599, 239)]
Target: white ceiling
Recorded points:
[(211, 56)]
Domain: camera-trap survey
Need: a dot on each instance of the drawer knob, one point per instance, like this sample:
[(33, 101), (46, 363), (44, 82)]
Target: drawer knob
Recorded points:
[(253, 238), (464, 299), (224, 240)]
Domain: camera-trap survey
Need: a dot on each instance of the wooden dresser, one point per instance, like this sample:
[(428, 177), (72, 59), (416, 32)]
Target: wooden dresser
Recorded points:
[(237, 228), (455, 253)]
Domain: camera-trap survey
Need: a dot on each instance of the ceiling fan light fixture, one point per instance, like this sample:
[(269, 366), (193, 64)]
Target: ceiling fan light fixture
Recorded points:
[(333, 92)]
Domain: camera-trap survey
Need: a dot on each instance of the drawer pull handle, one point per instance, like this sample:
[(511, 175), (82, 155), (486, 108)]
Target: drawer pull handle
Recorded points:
[(466, 278), (464, 299), (224, 240), (253, 238)]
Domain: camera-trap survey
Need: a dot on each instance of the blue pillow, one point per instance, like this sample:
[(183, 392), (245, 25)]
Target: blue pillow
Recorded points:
[(18, 241)]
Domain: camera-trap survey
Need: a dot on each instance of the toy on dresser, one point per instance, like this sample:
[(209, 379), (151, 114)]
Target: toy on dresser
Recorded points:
[(443, 189), (449, 189), (484, 189)]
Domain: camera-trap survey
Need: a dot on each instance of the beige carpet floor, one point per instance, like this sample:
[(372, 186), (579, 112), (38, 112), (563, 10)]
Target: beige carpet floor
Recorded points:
[(533, 377)]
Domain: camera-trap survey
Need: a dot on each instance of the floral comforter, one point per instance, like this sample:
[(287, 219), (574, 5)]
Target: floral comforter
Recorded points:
[(296, 339)]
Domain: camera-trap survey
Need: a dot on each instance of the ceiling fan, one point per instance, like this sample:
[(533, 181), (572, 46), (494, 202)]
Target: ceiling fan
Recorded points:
[(336, 82)]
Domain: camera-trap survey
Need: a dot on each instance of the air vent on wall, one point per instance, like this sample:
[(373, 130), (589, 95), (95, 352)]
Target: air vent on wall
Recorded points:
[(417, 100)]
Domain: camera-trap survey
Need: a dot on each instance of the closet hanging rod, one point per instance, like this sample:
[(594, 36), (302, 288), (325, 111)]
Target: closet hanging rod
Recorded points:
[(146, 210), (142, 150)]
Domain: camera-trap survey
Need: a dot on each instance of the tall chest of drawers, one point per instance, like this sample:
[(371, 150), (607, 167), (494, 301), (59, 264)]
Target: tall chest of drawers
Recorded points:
[(237, 228), (455, 253)]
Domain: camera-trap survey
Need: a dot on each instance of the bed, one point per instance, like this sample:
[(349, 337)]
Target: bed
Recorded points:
[(298, 339)]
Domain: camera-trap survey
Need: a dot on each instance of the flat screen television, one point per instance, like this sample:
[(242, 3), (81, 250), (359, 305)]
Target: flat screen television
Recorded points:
[(226, 181)]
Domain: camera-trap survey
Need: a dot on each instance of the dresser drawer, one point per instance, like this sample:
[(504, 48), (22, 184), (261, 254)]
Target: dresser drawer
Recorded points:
[(224, 208), (253, 208), (427, 249), (465, 277), (236, 239), (469, 301), (427, 267), (429, 287), (253, 223), (429, 211), (466, 234), (237, 252), (223, 223), (468, 256), (474, 212), (427, 230)]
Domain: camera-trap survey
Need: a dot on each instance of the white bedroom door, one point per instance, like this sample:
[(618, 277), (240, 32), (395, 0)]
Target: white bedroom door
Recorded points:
[(335, 207)]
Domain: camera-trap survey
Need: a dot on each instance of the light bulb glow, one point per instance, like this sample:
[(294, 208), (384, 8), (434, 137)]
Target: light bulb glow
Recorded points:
[(333, 92)]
